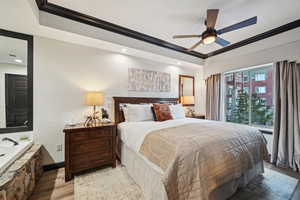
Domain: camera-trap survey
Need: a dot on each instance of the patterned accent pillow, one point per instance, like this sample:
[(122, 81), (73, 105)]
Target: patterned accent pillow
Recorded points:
[(162, 112)]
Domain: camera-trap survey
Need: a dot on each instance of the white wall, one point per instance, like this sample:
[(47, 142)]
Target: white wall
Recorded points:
[(226, 62), (62, 74), (7, 69)]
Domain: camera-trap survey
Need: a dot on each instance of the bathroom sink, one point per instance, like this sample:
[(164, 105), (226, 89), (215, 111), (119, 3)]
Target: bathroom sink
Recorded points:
[(6, 149)]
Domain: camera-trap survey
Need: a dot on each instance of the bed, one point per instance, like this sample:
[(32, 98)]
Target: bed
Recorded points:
[(159, 181)]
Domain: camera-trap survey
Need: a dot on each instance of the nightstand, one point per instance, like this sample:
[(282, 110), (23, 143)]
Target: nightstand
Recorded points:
[(89, 147), (197, 116)]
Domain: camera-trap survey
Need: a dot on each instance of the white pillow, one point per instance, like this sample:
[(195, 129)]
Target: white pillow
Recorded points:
[(177, 111), (138, 112)]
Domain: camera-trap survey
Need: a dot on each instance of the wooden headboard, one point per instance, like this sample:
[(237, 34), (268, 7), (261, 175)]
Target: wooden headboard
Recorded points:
[(119, 117)]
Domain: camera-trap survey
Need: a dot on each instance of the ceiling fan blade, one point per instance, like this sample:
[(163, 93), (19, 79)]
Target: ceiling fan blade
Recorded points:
[(185, 36), (211, 19), (195, 45), (222, 42), (237, 26)]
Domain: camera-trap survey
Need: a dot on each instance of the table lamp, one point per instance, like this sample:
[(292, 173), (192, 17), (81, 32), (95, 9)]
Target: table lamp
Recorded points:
[(189, 100), (93, 99)]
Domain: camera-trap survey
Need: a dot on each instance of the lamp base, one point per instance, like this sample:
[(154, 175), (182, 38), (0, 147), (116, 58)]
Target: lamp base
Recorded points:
[(92, 120)]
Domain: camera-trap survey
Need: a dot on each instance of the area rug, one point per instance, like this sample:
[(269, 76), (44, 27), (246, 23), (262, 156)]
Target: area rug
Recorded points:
[(269, 186), (106, 184), (115, 184)]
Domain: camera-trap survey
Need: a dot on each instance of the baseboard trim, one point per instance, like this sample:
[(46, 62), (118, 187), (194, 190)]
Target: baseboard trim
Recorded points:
[(53, 166)]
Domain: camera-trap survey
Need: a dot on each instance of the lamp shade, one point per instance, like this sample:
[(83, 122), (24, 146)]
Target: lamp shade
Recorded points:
[(188, 100), (94, 99)]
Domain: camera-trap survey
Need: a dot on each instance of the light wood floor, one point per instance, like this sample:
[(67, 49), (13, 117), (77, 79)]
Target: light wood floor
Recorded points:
[(52, 185)]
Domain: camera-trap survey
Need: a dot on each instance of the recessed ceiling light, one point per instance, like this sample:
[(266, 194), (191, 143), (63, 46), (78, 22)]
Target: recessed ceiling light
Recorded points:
[(178, 63), (18, 60), (124, 50)]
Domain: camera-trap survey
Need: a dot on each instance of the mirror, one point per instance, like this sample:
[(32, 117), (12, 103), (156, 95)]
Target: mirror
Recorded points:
[(186, 90), (16, 56)]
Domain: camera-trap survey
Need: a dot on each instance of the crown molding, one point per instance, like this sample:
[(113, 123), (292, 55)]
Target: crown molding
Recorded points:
[(45, 6), (54, 9)]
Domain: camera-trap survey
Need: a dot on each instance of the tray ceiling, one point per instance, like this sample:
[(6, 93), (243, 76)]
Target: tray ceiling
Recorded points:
[(163, 19)]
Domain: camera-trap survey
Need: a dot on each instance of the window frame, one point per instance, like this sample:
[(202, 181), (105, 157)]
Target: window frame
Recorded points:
[(264, 130)]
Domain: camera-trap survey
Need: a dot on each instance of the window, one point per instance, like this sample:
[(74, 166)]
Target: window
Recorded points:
[(260, 89), (260, 77), (229, 78), (246, 78), (238, 77), (229, 89), (263, 99), (246, 89), (249, 96)]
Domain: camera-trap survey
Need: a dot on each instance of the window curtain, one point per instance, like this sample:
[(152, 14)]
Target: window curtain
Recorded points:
[(213, 90), (286, 141)]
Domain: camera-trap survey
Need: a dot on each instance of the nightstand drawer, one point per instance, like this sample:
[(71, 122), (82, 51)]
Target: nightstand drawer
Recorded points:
[(90, 160), (97, 145), (104, 132), (90, 135)]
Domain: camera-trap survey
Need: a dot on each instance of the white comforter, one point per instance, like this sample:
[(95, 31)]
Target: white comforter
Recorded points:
[(134, 133)]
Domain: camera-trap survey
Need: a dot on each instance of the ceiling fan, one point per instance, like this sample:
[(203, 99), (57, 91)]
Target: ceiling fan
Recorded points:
[(211, 34)]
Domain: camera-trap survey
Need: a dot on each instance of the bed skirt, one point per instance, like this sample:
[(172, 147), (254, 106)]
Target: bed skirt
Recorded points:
[(148, 177)]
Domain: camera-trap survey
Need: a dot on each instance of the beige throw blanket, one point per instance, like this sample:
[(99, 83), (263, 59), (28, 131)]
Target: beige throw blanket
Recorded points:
[(199, 157)]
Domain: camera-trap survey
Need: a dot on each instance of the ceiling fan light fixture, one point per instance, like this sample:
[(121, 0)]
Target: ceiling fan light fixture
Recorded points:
[(209, 36), (209, 39)]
